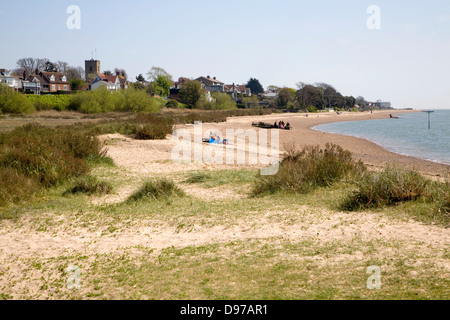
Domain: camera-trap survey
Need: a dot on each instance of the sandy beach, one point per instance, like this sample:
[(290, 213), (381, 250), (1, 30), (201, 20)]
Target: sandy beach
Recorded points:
[(303, 134)]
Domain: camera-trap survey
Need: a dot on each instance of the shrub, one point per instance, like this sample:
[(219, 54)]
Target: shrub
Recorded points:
[(50, 102), (151, 127), (15, 187), (386, 188), (222, 101), (311, 109), (97, 101), (172, 104), (102, 101), (139, 101), (89, 185), (49, 156), (156, 190), (198, 177), (303, 171), (13, 102)]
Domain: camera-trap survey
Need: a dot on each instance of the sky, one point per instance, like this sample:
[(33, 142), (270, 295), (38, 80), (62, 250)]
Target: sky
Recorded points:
[(405, 61)]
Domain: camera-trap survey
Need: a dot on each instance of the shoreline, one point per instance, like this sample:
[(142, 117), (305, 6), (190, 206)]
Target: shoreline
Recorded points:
[(371, 153), (381, 146)]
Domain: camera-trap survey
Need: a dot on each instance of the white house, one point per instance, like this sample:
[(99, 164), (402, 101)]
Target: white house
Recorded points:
[(11, 81), (112, 83), (107, 84)]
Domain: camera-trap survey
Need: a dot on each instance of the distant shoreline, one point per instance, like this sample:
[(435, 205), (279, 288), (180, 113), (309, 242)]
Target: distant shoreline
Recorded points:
[(369, 152), (315, 128)]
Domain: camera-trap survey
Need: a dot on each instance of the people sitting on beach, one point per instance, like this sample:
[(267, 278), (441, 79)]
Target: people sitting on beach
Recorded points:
[(288, 126)]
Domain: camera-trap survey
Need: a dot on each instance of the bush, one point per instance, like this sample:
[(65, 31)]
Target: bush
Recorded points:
[(139, 101), (387, 188), (13, 102), (50, 102), (311, 109), (172, 104), (15, 187), (97, 101), (89, 185), (102, 101), (303, 171), (222, 101), (49, 156), (198, 177), (156, 190), (151, 127)]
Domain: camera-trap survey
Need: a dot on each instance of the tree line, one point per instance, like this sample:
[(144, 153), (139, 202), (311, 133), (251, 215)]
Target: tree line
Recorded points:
[(318, 96)]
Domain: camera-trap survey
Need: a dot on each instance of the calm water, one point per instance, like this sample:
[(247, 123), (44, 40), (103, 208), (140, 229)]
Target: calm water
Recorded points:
[(408, 135)]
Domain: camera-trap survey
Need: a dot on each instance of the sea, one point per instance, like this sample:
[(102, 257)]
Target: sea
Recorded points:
[(407, 135)]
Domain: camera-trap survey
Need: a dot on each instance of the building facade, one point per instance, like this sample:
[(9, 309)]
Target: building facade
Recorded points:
[(92, 69)]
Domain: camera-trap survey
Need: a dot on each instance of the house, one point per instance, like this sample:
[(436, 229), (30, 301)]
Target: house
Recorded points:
[(211, 84), (53, 82), (124, 84), (112, 83), (32, 84), (12, 81), (107, 84), (175, 88), (236, 90)]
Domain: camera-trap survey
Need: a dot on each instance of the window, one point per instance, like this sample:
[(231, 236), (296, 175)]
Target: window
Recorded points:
[(59, 87), (65, 88), (52, 78), (53, 87)]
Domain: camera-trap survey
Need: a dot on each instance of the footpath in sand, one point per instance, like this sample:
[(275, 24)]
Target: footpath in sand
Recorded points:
[(21, 243)]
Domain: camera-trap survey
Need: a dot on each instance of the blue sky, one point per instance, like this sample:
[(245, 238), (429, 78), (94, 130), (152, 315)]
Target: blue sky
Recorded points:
[(280, 43)]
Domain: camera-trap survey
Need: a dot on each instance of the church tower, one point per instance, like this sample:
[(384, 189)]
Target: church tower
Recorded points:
[(92, 69)]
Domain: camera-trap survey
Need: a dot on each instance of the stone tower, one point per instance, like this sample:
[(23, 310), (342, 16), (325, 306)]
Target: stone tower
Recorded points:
[(92, 67)]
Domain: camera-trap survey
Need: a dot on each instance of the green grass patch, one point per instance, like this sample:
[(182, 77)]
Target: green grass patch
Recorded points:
[(218, 178)]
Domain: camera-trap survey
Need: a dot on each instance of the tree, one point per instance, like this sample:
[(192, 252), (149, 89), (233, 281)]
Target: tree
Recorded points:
[(191, 93), (251, 102), (255, 86), (285, 97), (74, 73), (309, 95), (107, 73), (77, 84), (156, 72), (62, 66), (361, 102), (222, 101), (137, 86), (30, 65), (161, 86), (140, 78), (350, 102), (50, 67)]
